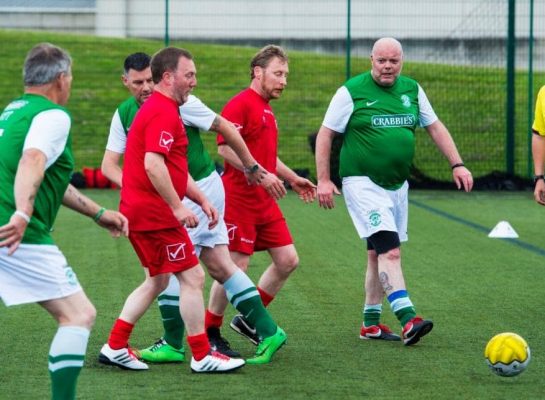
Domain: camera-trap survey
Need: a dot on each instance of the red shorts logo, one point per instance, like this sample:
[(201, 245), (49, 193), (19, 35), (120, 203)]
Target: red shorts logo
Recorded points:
[(166, 140), (231, 228), (176, 251)]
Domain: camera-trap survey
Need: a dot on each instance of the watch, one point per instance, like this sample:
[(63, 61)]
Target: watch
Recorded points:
[(538, 177), (252, 170)]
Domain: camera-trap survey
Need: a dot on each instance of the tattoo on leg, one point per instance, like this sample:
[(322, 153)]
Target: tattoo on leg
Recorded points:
[(383, 278)]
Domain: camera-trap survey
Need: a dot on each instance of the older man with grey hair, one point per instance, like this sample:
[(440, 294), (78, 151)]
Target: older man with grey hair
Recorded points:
[(36, 163)]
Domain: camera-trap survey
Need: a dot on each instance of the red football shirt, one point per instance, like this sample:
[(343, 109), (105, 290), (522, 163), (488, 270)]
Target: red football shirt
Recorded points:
[(157, 128), (253, 117)]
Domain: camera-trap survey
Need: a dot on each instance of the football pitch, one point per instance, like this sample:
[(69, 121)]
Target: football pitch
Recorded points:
[(470, 285)]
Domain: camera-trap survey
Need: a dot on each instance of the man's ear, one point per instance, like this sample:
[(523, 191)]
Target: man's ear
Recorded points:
[(258, 72)]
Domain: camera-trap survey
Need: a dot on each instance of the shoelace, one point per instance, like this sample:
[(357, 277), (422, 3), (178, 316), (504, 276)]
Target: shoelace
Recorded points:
[(157, 345)]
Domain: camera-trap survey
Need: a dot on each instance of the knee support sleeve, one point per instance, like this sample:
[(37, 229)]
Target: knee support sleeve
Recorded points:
[(383, 241)]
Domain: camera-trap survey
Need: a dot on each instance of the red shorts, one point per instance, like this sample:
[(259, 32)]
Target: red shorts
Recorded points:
[(164, 251), (246, 238)]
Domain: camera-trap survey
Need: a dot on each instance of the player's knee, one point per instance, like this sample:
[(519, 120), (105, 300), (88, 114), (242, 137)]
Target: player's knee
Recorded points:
[(83, 316), (289, 263), (89, 316), (393, 254), (384, 242), (194, 278), (199, 278)]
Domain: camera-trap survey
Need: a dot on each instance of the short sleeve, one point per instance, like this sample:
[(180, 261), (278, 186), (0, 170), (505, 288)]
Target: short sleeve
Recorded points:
[(195, 113), (427, 114), (117, 139), (233, 112), (539, 118), (339, 111), (48, 133)]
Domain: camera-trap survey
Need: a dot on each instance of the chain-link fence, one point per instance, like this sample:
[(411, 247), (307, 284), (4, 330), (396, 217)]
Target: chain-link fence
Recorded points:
[(458, 51)]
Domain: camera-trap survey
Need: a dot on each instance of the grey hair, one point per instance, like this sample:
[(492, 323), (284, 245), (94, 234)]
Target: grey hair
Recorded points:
[(44, 63)]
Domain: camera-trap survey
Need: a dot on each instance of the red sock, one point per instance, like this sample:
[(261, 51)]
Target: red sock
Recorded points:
[(199, 345), (120, 334), (212, 320), (266, 298)]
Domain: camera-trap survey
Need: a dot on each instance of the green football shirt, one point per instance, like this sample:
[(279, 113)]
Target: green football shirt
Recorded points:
[(15, 122), (379, 137), (200, 163)]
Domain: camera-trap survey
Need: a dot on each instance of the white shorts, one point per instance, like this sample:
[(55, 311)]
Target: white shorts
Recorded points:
[(35, 273), (375, 209), (201, 236)]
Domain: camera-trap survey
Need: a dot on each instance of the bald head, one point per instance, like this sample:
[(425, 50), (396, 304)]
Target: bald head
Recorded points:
[(386, 61), (387, 44)]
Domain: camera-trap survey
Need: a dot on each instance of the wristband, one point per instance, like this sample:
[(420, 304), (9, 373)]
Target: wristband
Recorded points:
[(538, 177), (22, 215), (99, 214), (460, 164), (252, 170)]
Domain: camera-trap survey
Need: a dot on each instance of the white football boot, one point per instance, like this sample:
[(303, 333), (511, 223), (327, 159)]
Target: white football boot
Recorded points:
[(122, 358), (216, 362)]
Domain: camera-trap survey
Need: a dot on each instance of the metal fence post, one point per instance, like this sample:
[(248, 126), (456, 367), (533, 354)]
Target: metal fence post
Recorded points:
[(530, 87), (510, 111), (167, 11), (348, 40)]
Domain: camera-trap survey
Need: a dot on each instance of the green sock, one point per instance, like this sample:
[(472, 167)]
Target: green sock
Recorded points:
[(244, 296), (371, 314), (172, 321), (66, 357), (63, 383), (257, 315), (404, 315), (402, 306)]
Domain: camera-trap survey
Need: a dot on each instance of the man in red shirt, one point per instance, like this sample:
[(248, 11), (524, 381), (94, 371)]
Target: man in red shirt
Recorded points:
[(155, 178), (252, 215)]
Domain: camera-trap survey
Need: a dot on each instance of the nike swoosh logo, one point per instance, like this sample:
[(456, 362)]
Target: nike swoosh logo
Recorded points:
[(370, 103)]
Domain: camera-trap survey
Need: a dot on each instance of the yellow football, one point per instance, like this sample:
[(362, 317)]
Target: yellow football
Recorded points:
[(507, 354)]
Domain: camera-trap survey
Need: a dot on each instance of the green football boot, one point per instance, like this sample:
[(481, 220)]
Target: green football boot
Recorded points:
[(268, 347), (162, 352)]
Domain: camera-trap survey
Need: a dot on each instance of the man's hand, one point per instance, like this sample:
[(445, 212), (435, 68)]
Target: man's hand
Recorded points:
[(115, 222), (326, 190), (186, 217), (273, 185), (463, 179), (12, 233), (304, 188), (539, 192), (211, 213)]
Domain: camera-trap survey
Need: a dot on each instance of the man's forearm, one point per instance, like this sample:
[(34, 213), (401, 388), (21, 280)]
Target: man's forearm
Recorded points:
[(30, 173), (323, 153), (234, 140), (78, 202)]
